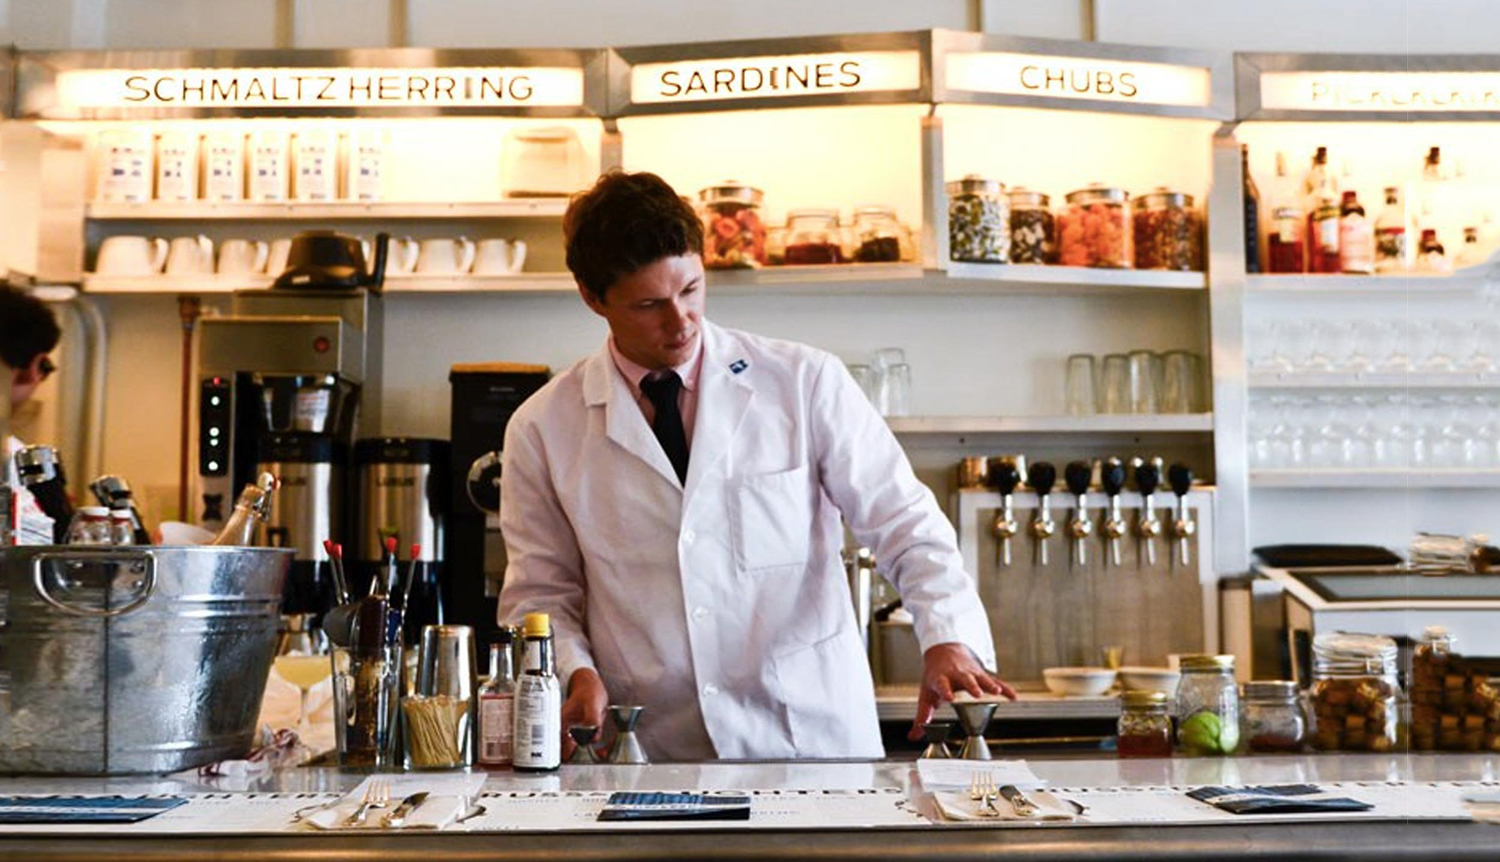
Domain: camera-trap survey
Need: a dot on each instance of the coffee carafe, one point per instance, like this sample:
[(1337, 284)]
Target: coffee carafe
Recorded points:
[(403, 494)]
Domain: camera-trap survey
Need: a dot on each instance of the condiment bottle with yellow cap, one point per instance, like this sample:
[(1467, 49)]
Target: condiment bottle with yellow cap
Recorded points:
[(538, 738)]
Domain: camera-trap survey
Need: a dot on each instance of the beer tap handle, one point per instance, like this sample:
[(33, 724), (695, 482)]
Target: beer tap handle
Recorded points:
[(1005, 476), (1077, 476), (1148, 526), (1112, 479), (1041, 477), (1180, 477)]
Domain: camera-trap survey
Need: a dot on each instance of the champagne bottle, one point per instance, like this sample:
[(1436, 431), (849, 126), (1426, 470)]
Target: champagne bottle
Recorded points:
[(250, 510), (537, 744)]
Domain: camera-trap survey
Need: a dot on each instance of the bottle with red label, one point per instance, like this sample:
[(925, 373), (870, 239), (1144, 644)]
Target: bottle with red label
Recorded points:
[(1356, 237), (1320, 187), (497, 698), (1390, 234)]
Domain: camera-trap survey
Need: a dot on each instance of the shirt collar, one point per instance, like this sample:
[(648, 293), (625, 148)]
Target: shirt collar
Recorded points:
[(634, 373)]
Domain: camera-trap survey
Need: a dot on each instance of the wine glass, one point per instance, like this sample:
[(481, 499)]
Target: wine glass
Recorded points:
[(303, 671)]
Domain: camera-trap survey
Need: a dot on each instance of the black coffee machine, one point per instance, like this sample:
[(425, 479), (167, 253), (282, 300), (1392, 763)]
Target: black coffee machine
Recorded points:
[(484, 398)]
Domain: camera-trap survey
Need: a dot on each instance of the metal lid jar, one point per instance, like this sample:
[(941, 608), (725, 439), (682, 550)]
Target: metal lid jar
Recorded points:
[(1094, 228), (1208, 706), (733, 235), (879, 237), (1436, 682), (978, 220), (1145, 726), (1272, 717), (1355, 693), (1166, 231), (1033, 237), (813, 235)]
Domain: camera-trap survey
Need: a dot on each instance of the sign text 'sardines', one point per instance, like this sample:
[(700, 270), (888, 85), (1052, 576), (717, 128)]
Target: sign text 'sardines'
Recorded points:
[(775, 77), (1079, 78), (1380, 91), (272, 88)]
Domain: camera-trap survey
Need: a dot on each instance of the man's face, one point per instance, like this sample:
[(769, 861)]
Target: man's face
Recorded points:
[(655, 313), (24, 381)]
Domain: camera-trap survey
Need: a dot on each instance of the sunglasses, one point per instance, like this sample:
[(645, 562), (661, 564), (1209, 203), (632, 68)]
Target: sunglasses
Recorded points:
[(45, 368)]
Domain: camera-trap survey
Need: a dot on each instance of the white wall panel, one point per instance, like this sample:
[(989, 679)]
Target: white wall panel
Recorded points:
[(191, 24)]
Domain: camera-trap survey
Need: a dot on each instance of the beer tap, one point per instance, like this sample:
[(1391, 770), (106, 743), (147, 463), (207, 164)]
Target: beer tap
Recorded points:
[(1077, 475), (1005, 474), (1112, 478), (1148, 526), (1041, 477), (1180, 477)]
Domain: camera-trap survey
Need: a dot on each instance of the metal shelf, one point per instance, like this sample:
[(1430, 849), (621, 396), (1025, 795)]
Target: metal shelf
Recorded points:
[(1376, 478), (1033, 278), (1331, 285), (1099, 424), (1274, 380), (331, 210)]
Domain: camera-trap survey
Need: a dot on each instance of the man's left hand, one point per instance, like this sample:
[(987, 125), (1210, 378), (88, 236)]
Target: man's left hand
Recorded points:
[(949, 668)]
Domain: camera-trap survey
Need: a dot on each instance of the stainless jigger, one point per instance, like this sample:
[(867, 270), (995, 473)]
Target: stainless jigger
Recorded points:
[(974, 717), (937, 732), (583, 735), (627, 747)]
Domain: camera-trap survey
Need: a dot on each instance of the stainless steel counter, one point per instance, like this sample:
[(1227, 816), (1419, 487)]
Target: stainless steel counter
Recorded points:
[(1387, 840)]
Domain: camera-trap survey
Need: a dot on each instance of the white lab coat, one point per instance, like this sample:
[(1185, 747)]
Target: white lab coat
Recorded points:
[(722, 607)]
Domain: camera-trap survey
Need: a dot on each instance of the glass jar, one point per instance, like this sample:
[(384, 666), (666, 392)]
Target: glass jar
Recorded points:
[(813, 236), (1273, 721), (733, 234), (879, 237), (1287, 250), (1145, 728), (1166, 231), (978, 220), (1355, 693), (1208, 706), (1436, 682), (1094, 229), (90, 526), (1032, 234)]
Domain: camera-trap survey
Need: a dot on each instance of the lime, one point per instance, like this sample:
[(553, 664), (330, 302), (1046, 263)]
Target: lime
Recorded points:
[(1200, 733)]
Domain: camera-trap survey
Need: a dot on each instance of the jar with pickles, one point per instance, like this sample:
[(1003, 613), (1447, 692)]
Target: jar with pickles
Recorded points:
[(1166, 231), (1208, 706), (879, 237), (1032, 234), (733, 235), (978, 220), (814, 236), (1355, 693), (1094, 228)]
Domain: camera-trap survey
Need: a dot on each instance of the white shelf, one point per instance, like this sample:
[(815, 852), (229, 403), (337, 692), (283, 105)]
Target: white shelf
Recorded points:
[(1273, 380), (332, 210), (1100, 424), (1375, 478), (1331, 285), (524, 282), (207, 283), (1033, 278)]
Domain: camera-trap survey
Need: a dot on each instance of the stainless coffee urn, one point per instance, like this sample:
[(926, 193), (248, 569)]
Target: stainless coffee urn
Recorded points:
[(403, 495)]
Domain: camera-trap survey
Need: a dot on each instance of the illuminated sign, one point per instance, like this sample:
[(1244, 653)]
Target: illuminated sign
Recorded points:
[(1380, 91), (271, 88), (772, 77), (1079, 78)]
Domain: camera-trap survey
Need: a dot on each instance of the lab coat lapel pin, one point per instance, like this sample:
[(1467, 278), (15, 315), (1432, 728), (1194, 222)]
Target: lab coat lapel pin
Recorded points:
[(738, 365)]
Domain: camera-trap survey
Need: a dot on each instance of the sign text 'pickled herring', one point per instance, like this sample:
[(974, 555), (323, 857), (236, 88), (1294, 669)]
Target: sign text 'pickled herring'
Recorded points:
[(1380, 91), (314, 88), (1079, 78), (773, 77)]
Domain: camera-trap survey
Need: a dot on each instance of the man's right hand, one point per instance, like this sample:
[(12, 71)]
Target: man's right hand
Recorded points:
[(586, 703)]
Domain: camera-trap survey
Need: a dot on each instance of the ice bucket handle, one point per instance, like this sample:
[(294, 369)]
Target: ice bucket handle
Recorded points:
[(144, 588)]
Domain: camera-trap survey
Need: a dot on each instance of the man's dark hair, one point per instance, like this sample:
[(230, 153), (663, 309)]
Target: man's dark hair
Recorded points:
[(27, 327), (627, 221)]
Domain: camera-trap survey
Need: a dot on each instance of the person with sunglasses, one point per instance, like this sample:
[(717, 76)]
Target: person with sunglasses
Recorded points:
[(28, 333)]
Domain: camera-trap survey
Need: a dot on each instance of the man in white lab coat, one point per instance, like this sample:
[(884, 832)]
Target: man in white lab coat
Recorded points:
[(28, 333), (674, 501)]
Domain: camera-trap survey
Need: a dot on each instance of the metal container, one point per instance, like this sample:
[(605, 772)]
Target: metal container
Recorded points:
[(129, 660)]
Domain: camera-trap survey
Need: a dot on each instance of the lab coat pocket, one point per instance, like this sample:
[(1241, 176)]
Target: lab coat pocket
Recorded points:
[(771, 517), (830, 700)]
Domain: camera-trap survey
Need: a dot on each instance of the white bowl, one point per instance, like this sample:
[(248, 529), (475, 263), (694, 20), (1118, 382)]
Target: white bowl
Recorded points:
[(1162, 679), (1078, 681)]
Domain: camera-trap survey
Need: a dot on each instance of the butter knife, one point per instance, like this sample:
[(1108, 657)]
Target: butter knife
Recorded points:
[(407, 806), (1023, 807)]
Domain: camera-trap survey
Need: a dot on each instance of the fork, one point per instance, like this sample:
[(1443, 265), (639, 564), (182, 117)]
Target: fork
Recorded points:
[(982, 790), (377, 795)]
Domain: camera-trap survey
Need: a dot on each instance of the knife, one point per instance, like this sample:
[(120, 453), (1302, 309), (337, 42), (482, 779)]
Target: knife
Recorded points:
[(1023, 807), (407, 806)]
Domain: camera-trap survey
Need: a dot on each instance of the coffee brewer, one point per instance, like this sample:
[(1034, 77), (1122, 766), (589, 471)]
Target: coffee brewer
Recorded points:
[(284, 381), (403, 494), (484, 398)]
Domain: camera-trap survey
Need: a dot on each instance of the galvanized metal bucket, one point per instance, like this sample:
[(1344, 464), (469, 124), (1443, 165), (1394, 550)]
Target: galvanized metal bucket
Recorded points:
[(134, 659)]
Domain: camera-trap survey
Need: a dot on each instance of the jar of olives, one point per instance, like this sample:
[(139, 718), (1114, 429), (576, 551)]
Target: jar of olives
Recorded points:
[(1094, 228), (1032, 237), (733, 234), (1355, 693), (978, 220), (1166, 232), (1208, 706)]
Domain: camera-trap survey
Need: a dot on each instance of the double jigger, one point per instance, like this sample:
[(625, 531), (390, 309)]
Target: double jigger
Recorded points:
[(973, 717), (626, 748)]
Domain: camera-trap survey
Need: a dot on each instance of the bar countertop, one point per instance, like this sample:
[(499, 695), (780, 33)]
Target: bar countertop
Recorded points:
[(1389, 839)]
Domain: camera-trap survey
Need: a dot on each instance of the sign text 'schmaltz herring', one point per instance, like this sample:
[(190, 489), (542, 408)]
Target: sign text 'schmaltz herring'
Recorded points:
[(270, 88), (775, 77), (1078, 78), (1380, 91)]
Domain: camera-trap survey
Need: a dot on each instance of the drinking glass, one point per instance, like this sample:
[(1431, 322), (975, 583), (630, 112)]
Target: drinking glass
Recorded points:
[(1486, 342), (1395, 335), (1180, 386), (366, 690), (885, 357), (864, 375), (1393, 443), (1143, 378), (1080, 394), (1114, 389), (303, 671), (1260, 345), (1323, 353), (1451, 344), (895, 390), (1292, 340)]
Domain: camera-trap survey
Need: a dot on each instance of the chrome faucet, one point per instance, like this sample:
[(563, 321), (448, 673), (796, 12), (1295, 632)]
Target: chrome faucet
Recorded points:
[(1147, 526), (1004, 475)]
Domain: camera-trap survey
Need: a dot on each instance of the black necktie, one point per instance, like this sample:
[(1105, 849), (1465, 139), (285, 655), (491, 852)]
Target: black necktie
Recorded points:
[(668, 424)]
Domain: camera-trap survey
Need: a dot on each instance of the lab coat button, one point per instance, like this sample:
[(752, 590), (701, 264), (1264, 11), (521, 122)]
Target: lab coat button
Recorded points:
[(688, 536), (710, 690), (700, 613)]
